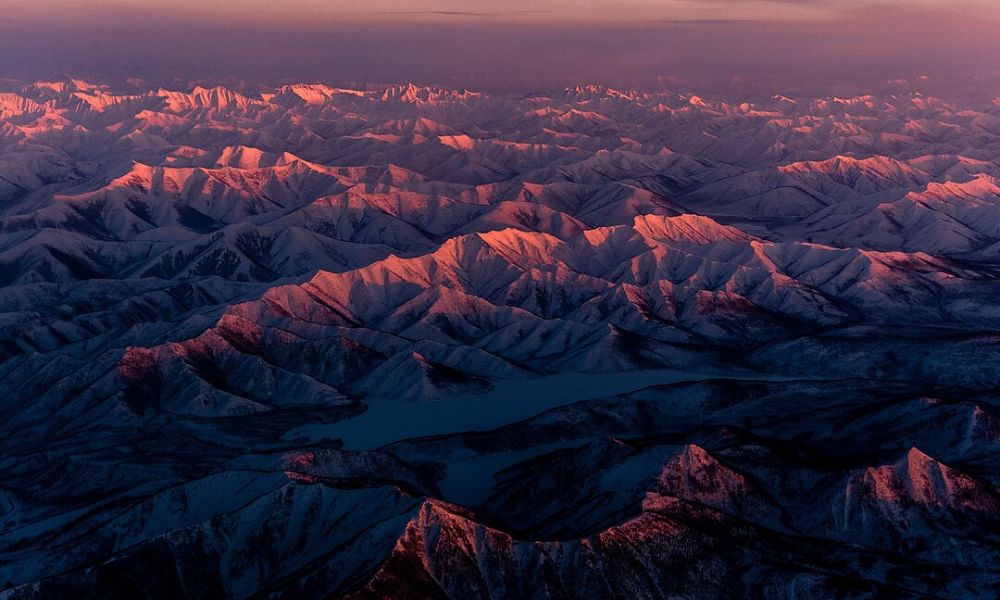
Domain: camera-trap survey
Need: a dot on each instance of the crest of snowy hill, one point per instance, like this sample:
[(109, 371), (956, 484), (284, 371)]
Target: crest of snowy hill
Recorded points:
[(329, 342)]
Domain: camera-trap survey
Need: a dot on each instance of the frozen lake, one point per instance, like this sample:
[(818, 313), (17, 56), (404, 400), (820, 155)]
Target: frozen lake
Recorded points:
[(389, 419)]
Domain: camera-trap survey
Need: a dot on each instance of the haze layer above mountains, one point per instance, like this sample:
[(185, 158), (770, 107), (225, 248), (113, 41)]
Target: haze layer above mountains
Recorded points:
[(426, 342), (806, 47)]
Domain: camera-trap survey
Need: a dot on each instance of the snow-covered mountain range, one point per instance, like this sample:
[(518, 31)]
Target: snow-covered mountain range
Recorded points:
[(411, 342)]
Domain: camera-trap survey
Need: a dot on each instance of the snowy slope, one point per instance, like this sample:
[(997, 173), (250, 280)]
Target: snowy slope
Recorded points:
[(422, 342)]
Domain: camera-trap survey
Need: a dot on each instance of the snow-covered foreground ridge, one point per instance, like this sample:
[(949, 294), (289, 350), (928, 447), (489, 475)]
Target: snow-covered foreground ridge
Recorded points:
[(224, 316)]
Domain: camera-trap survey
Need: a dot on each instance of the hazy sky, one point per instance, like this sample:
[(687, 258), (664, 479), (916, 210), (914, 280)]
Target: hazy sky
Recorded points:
[(319, 13), (502, 43)]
